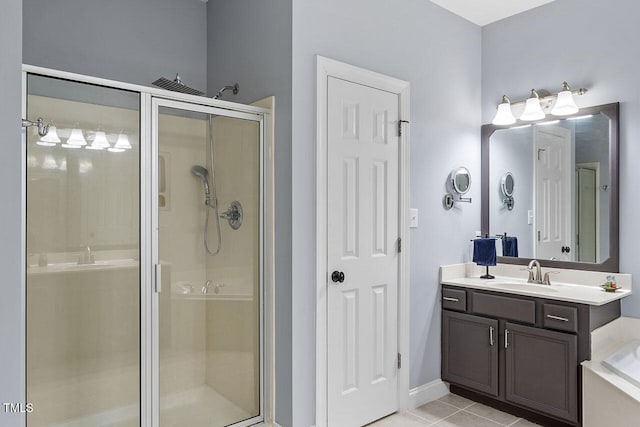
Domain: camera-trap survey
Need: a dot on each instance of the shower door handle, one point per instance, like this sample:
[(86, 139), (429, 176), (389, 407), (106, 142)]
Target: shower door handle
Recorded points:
[(158, 278)]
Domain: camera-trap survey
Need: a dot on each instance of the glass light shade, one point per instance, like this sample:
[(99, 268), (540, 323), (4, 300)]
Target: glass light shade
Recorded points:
[(532, 110), (565, 105), (99, 141), (123, 142), (504, 116), (50, 139), (76, 138)]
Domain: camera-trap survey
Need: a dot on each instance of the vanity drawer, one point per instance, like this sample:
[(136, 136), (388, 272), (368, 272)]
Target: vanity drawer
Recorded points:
[(560, 317), (454, 299), (519, 310)]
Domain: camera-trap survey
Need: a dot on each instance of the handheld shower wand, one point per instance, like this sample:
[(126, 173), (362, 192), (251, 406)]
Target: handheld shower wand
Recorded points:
[(209, 201), (202, 173)]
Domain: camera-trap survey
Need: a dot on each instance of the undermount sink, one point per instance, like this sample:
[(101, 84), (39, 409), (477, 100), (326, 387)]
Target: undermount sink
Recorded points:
[(524, 287)]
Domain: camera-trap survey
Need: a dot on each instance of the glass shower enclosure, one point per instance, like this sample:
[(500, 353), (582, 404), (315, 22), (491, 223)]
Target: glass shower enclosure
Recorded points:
[(144, 270), (207, 165)]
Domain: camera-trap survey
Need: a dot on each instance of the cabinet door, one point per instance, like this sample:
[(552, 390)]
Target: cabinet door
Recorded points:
[(541, 370), (470, 351)]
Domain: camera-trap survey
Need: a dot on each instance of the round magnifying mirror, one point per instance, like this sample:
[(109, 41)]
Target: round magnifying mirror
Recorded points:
[(507, 184), (461, 180)]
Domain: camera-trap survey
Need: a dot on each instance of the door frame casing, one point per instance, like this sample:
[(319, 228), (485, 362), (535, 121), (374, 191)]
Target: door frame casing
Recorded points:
[(326, 68)]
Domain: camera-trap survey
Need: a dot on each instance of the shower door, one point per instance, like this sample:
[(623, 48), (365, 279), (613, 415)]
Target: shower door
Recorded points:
[(207, 251), (82, 250)]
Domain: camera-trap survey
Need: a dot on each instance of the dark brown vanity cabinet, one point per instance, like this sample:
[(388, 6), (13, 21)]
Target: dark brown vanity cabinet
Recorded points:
[(470, 352), (521, 354), (541, 370)]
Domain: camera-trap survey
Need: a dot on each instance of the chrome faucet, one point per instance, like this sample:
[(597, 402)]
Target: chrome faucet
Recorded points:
[(205, 288), (86, 257), (538, 276)]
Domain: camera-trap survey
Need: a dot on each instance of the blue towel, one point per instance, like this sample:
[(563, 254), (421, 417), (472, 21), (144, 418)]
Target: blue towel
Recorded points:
[(510, 246), (484, 251)]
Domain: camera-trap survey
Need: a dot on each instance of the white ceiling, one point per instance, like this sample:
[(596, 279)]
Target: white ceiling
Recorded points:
[(483, 12)]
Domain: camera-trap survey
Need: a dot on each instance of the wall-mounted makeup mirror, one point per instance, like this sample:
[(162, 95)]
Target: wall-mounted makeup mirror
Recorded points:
[(567, 169), (458, 184), (507, 185)]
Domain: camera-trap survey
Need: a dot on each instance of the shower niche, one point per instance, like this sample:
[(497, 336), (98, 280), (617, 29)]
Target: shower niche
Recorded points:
[(144, 280)]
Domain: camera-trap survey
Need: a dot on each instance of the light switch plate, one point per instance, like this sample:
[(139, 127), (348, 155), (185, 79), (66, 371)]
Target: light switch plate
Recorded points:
[(413, 218), (530, 217)]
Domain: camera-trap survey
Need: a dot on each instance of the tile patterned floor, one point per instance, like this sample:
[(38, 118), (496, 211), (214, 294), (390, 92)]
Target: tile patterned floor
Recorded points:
[(453, 411)]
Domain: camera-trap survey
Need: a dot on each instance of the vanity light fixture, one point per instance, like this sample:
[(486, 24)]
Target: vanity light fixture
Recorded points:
[(565, 105), (538, 102), (504, 116), (532, 109)]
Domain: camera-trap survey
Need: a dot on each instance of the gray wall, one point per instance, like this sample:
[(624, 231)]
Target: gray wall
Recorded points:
[(130, 41), (588, 43), (439, 54), (11, 315), (249, 42)]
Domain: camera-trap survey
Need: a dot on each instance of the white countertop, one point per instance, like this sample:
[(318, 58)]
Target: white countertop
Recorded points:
[(566, 285)]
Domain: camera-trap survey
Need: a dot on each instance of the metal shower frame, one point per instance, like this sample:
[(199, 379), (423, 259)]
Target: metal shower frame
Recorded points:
[(150, 99)]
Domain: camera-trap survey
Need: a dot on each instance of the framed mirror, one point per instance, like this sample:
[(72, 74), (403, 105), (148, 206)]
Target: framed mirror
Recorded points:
[(567, 170)]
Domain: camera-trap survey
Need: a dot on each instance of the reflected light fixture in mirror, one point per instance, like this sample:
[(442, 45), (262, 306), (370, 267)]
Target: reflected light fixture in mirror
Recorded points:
[(99, 142), (50, 139), (538, 102), (121, 144), (76, 139)]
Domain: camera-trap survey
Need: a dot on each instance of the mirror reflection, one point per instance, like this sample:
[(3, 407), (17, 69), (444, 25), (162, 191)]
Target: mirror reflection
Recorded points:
[(564, 176)]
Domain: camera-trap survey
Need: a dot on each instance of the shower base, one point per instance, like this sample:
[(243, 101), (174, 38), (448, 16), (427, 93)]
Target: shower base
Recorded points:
[(200, 406)]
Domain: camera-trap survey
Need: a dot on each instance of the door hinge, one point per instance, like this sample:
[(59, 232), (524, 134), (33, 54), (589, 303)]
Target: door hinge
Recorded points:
[(400, 122), (539, 235), (399, 244), (399, 361)]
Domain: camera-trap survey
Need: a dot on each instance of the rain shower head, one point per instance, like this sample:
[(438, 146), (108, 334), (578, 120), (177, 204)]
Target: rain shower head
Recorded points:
[(176, 86), (202, 173)]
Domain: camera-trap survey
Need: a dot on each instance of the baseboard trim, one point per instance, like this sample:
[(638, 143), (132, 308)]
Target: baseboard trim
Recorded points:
[(427, 392)]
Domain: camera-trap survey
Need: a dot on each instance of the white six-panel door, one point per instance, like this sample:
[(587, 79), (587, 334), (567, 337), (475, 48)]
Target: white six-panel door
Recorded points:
[(363, 154), (553, 192)]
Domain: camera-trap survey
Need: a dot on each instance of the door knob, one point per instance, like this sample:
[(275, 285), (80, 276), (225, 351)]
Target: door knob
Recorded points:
[(337, 276)]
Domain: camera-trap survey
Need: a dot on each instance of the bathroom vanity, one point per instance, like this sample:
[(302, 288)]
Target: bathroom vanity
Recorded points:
[(518, 346)]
